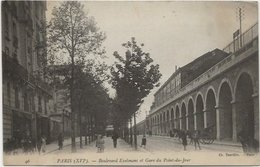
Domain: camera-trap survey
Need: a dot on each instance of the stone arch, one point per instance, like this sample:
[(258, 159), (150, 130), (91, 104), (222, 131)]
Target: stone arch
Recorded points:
[(210, 111), (164, 121), (244, 105), (225, 111), (252, 78), (211, 88), (172, 118), (177, 117), (191, 114), (199, 112), (183, 116), (227, 81)]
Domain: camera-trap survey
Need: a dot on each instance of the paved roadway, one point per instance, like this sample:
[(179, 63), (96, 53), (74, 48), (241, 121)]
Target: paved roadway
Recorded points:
[(167, 144)]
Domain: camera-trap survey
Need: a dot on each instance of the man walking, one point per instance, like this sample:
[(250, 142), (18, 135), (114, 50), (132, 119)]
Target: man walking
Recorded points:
[(115, 137), (196, 139), (60, 141)]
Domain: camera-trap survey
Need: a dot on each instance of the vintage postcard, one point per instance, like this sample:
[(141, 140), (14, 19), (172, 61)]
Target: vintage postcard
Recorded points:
[(130, 83)]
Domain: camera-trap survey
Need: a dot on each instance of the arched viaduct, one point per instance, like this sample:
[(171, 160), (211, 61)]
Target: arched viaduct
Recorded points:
[(224, 97)]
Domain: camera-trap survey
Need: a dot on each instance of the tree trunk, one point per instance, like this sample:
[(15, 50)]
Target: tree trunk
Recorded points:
[(91, 126), (131, 133), (80, 128), (86, 129), (135, 136), (73, 140)]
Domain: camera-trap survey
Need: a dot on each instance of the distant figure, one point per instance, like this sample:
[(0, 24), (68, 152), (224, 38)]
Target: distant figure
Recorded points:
[(196, 139), (244, 140), (184, 139), (39, 145), (60, 141), (115, 137), (143, 143), (43, 144), (100, 144), (249, 144)]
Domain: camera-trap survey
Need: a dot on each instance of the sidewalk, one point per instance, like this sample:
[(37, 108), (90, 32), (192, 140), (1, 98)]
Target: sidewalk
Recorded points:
[(122, 147), (216, 142), (53, 146)]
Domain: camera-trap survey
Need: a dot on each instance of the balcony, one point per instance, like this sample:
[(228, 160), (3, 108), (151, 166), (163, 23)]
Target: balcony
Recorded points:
[(12, 68)]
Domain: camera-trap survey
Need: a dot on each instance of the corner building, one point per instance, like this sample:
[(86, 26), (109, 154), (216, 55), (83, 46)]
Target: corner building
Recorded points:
[(27, 98)]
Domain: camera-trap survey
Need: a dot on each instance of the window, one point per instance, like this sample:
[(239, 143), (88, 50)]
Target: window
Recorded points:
[(39, 104), (8, 94), (16, 93), (15, 56), (6, 22), (45, 106), (26, 105), (14, 9), (15, 39), (7, 51)]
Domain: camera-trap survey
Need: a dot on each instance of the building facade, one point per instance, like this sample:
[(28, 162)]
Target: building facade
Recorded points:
[(27, 98), (221, 93)]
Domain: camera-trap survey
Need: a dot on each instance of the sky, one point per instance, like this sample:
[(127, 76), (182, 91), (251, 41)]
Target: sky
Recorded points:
[(174, 32)]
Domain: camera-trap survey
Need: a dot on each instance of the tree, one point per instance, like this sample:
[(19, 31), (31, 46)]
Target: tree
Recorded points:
[(133, 77), (72, 35)]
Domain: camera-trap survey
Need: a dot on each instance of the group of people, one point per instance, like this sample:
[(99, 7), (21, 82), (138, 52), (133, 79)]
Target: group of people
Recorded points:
[(194, 138), (100, 142), (27, 143)]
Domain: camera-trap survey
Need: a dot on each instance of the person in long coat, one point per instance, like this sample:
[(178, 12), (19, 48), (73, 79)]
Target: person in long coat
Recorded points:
[(196, 139), (39, 145), (60, 141), (143, 143), (115, 137), (184, 139)]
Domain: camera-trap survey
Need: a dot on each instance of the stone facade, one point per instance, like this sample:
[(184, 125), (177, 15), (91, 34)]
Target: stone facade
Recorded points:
[(27, 99)]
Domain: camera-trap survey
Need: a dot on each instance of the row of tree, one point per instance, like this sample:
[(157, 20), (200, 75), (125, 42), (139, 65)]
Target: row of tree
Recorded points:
[(74, 45), (133, 77)]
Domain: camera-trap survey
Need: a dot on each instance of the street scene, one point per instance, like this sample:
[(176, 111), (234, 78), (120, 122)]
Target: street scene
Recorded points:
[(128, 83)]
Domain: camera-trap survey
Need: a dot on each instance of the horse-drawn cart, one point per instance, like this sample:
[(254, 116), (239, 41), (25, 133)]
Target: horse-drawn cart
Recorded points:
[(207, 135)]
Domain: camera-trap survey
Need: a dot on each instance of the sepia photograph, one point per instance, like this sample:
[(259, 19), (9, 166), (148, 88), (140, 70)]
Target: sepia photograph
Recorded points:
[(130, 83)]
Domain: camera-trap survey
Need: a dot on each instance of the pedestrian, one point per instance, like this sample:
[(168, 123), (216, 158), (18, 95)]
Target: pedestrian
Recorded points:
[(143, 143), (39, 145), (60, 141), (244, 140), (98, 143), (115, 137), (190, 134), (196, 139), (102, 144), (184, 139), (43, 144)]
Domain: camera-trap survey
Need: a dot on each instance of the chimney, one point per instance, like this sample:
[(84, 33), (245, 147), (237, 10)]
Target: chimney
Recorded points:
[(175, 68)]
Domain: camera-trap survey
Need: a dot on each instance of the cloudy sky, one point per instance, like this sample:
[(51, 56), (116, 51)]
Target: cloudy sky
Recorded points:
[(174, 33)]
